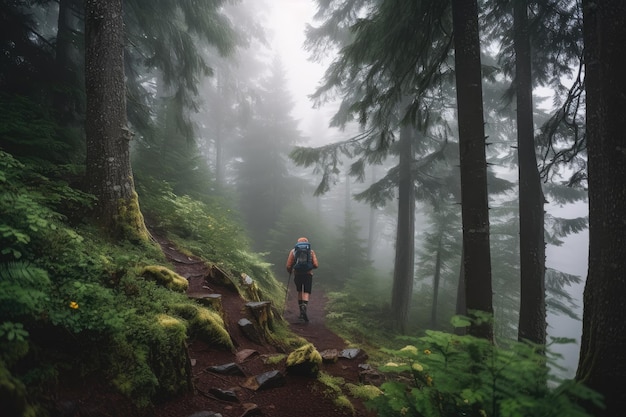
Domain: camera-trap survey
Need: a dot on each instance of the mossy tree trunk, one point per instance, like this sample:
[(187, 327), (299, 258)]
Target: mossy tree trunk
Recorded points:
[(109, 175)]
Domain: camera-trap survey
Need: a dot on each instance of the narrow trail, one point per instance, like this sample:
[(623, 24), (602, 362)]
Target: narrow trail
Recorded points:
[(299, 397)]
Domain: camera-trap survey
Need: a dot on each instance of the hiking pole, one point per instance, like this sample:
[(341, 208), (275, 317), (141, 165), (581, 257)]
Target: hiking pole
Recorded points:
[(286, 294)]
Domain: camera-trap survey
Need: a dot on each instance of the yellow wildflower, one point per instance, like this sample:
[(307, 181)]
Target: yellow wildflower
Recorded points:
[(73, 305), (391, 364), (417, 367), (427, 352)]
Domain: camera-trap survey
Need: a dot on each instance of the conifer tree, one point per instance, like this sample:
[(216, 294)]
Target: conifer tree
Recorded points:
[(602, 364), (109, 175)]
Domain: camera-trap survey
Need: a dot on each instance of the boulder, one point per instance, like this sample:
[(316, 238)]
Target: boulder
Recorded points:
[(305, 360)]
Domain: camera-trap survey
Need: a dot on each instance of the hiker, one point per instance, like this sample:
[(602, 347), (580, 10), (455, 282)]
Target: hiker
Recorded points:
[(301, 261)]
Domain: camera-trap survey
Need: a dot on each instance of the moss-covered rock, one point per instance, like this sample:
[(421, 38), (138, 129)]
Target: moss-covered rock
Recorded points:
[(165, 277), (305, 360), (204, 324)]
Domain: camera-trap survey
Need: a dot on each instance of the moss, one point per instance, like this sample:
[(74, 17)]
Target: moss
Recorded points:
[(344, 402), (165, 277), (207, 325), (364, 392), (306, 353), (305, 360), (129, 221), (332, 389), (274, 359)]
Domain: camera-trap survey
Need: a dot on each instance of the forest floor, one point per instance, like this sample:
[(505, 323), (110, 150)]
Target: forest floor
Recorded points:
[(299, 396)]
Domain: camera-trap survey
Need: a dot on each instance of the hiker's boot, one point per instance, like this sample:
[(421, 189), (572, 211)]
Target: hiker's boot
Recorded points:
[(303, 315)]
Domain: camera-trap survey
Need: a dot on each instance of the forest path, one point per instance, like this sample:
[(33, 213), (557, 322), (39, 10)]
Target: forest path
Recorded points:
[(298, 397)]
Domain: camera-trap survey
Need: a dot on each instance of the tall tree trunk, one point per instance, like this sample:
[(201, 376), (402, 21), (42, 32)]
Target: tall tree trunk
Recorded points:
[(474, 198), (109, 174), (66, 98), (532, 319), (461, 305), (436, 281), (602, 364), (371, 230), (402, 290)]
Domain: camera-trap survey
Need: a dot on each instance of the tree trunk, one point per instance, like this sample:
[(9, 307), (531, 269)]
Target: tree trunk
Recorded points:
[(461, 305), (402, 290), (109, 175), (436, 281), (66, 98), (602, 364), (474, 198), (532, 319)]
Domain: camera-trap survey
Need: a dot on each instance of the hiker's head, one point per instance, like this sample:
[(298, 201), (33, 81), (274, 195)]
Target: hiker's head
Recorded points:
[(303, 239)]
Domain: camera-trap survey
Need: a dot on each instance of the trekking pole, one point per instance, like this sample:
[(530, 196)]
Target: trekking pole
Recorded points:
[(286, 294)]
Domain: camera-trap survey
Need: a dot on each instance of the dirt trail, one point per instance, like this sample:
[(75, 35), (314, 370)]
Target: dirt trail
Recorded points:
[(300, 396)]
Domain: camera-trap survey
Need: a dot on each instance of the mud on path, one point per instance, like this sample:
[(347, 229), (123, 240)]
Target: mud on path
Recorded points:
[(299, 397)]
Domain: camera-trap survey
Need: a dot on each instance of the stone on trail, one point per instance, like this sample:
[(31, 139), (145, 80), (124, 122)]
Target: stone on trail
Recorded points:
[(245, 354), (250, 409), (250, 331), (224, 395), (350, 353), (205, 414), (227, 369), (267, 380), (329, 355)]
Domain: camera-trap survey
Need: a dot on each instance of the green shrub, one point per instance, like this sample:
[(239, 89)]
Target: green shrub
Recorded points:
[(443, 374)]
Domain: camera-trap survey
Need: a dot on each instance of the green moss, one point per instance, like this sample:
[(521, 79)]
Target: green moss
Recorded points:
[(165, 277), (204, 324), (129, 220), (364, 392), (303, 354)]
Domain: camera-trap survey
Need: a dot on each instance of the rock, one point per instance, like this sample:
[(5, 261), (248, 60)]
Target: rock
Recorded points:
[(271, 379), (250, 331), (213, 301), (266, 380), (251, 409), (245, 354), (262, 313), (205, 414), (305, 360), (227, 369), (329, 355), (225, 395), (371, 377), (350, 353)]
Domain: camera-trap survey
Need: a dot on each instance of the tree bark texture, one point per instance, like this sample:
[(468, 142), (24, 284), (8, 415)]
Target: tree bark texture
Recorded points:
[(402, 290), (474, 199), (602, 364), (532, 319), (109, 175)]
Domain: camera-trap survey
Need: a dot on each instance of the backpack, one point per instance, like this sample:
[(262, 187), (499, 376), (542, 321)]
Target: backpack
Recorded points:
[(302, 254)]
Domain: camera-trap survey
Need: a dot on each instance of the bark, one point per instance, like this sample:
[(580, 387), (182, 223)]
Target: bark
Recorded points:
[(109, 174), (66, 100), (402, 290), (602, 364), (474, 199), (461, 305), (436, 281), (532, 319)]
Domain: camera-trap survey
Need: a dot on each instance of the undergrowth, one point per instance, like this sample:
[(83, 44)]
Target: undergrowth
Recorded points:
[(74, 303)]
